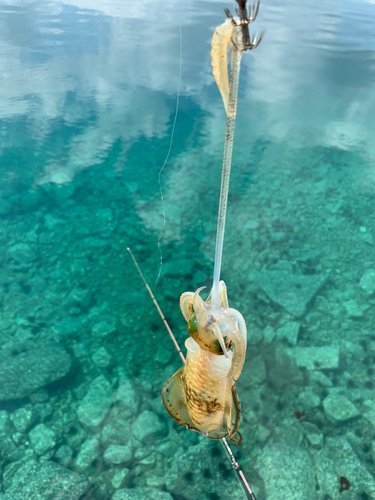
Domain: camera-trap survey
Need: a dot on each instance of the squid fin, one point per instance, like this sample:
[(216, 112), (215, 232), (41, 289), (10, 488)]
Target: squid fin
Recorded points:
[(172, 396), (236, 438), (235, 418)]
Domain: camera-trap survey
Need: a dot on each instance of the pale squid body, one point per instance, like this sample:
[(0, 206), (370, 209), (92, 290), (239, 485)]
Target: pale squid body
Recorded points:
[(202, 394), (220, 41)]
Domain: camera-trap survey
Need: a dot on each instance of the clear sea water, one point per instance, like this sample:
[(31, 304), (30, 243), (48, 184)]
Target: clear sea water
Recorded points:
[(87, 106)]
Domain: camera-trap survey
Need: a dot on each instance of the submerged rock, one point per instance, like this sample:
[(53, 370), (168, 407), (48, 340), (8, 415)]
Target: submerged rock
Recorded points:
[(23, 418), (337, 459), (253, 373), (186, 468), (29, 366), (317, 358), (288, 473), (102, 358), (118, 477), (103, 329), (352, 308), (339, 408), (148, 427), (367, 282), (309, 399), (87, 454), (64, 455), (58, 189), (69, 326), (117, 454), (22, 253), (289, 332), (47, 481), (291, 291), (96, 403), (117, 429), (42, 439)]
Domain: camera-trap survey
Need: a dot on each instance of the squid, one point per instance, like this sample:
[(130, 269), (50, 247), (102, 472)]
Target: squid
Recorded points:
[(202, 394)]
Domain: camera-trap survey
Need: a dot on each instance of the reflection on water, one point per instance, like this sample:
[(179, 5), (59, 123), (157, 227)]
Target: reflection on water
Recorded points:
[(87, 104)]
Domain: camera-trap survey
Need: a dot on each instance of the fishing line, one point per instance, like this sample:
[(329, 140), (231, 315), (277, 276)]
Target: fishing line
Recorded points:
[(168, 154)]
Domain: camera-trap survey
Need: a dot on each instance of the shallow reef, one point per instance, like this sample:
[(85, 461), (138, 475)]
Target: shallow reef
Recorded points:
[(84, 355)]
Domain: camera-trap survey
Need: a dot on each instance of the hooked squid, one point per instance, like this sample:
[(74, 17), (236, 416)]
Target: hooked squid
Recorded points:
[(202, 394)]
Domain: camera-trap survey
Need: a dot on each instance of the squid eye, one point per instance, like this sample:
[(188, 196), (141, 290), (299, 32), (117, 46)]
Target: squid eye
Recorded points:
[(192, 325), (210, 320)]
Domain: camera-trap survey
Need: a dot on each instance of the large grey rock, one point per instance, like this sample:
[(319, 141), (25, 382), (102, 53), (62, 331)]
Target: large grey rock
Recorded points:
[(42, 439), (287, 472), (148, 427), (336, 459), (316, 358), (291, 291), (96, 403), (47, 481), (29, 366), (338, 408), (141, 493)]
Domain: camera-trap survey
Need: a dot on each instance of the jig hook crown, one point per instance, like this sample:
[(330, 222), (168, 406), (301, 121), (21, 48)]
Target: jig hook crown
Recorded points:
[(244, 19)]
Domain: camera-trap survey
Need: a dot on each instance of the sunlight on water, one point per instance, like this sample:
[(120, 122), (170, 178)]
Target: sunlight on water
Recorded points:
[(88, 96)]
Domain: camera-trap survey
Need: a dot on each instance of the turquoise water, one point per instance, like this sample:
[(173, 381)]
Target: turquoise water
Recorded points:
[(88, 100)]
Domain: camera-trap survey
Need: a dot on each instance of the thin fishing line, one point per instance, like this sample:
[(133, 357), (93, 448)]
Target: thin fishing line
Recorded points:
[(168, 154)]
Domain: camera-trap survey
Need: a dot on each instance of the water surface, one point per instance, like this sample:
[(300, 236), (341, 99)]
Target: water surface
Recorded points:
[(87, 107)]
